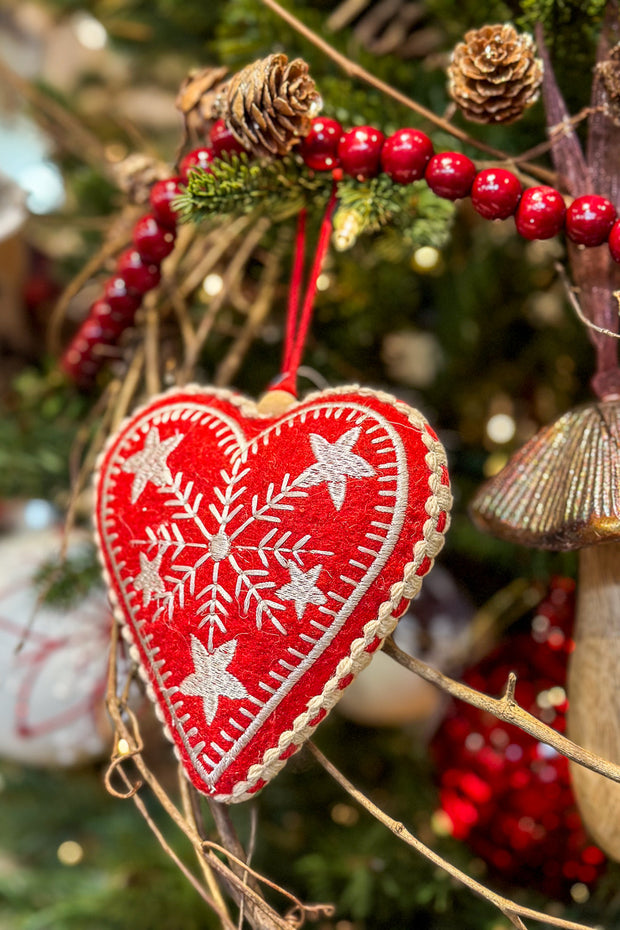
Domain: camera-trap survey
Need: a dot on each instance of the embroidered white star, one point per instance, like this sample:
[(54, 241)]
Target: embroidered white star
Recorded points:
[(335, 462), (302, 588), (150, 464), (210, 679), (148, 581)]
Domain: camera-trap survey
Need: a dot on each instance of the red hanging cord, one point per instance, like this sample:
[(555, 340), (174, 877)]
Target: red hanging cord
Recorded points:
[(298, 322), (295, 288)]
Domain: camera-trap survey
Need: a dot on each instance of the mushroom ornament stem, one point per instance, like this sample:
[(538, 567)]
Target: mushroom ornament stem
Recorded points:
[(561, 491), (594, 708)]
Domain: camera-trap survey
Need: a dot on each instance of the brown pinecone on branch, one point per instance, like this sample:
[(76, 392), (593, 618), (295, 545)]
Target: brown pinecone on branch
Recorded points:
[(268, 105), (199, 98), (494, 74)]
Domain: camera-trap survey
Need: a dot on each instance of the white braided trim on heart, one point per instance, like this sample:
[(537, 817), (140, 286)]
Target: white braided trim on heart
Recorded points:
[(437, 503)]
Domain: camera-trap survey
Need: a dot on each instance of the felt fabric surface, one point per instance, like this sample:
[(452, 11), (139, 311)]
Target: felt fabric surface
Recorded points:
[(256, 562)]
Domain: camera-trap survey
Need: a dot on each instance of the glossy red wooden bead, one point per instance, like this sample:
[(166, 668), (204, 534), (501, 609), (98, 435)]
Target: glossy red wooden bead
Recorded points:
[(319, 149), (359, 151), (589, 219), (541, 213), (140, 275), (152, 240), (405, 155), (495, 193), (614, 241), (450, 175), (162, 196), (120, 296), (106, 320), (222, 139), (197, 158)]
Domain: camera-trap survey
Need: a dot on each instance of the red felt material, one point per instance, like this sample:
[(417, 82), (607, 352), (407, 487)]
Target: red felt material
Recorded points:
[(249, 558)]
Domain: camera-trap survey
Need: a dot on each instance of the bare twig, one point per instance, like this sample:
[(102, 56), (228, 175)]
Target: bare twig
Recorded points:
[(325, 910), (510, 909), (113, 243), (128, 388), (231, 362), (151, 345), (189, 809), (505, 708), (356, 71), (233, 271), (214, 904), (572, 299)]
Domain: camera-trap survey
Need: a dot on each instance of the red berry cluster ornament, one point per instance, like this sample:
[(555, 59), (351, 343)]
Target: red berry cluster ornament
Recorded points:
[(502, 791)]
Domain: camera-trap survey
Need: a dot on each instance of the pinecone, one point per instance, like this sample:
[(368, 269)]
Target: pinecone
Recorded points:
[(494, 74), (268, 105), (199, 100)]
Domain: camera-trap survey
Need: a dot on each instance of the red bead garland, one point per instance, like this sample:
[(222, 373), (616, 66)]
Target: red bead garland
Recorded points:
[(495, 193), (162, 196), (405, 156), (541, 213), (222, 139), (614, 241), (359, 152), (152, 240), (589, 220), (197, 158), (120, 296), (319, 149), (141, 276), (450, 175)]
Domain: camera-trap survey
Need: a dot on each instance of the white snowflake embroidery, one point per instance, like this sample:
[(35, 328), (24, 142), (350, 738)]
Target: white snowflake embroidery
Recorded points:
[(211, 679), (302, 588), (335, 462), (151, 463), (199, 564)]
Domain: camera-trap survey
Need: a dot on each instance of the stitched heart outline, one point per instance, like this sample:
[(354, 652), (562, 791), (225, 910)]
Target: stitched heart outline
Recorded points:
[(256, 562)]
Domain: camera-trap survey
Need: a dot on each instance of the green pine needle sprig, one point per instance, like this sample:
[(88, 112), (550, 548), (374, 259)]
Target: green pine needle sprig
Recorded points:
[(236, 185), (280, 188)]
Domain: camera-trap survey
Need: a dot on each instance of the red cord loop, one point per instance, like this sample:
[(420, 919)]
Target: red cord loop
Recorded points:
[(298, 318)]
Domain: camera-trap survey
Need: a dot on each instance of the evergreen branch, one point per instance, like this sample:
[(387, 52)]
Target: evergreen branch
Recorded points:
[(422, 217), (281, 188), (374, 202), (236, 185), (558, 14)]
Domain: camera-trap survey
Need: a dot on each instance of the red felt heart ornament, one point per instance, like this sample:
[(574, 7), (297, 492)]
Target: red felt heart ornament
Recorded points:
[(257, 561)]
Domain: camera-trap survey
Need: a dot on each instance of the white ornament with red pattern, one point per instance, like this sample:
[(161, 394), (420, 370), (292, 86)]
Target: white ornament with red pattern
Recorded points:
[(53, 662)]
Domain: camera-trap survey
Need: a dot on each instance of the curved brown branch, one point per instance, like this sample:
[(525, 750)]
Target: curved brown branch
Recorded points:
[(507, 709), (510, 909), (356, 71)]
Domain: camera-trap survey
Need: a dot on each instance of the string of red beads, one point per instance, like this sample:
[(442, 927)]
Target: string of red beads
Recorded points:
[(137, 269), (496, 194), (362, 152)]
